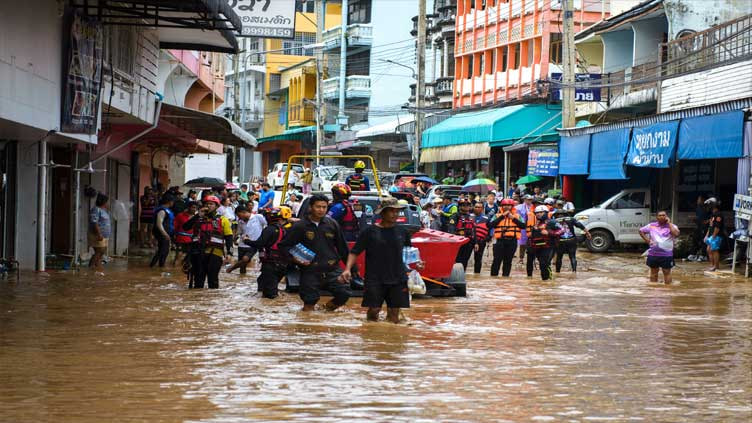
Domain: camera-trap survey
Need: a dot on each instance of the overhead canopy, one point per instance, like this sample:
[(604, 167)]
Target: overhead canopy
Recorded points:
[(499, 127), (574, 155), (384, 129), (716, 136), (607, 152), (207, 126), (455, 152), (205, 25)]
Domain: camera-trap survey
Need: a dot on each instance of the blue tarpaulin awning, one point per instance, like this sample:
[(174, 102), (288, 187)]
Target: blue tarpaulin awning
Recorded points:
[(607, 152), (574, 155), (716, 136), (653, 145)]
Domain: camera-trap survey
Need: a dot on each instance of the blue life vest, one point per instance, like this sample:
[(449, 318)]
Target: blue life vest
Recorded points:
[(168, 220)]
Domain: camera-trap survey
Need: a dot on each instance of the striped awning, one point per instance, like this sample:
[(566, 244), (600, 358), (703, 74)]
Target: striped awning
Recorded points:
[(479, 150)]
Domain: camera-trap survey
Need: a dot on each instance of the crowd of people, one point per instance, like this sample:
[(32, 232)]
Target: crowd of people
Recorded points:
[(322, 237)]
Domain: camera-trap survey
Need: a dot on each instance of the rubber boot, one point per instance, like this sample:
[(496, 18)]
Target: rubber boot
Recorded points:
[(372, 315), (330, 306), (309, 307)]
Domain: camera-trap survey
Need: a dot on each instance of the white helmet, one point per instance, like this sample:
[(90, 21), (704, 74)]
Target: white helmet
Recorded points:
[(711, 201), (549, 200), (541, 209)]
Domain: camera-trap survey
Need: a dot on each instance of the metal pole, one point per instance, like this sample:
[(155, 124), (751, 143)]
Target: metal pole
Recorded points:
[(420, 93), (42, 206), (341, 116), (236, 87), (568, 77), (506, 174), (76, 213), (320, 23), (243, 94)]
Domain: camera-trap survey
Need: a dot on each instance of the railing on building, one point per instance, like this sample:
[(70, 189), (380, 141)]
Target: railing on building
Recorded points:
[(275, 81), (357, 35), (356, 86), (725, 43), (445, 86), (302, 112)]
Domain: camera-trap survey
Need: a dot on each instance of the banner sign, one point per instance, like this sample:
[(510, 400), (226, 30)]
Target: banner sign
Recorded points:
[(580, 94), (743, 206), (266, 18), (543, 161), (654, 145), (82, 77)]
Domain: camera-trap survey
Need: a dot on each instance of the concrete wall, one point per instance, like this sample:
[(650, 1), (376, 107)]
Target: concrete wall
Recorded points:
[(617, 48), (700, 15), (648, 35)]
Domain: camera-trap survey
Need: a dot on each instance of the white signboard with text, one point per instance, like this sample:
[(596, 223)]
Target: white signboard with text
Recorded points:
[(266, 18), (743, 206)]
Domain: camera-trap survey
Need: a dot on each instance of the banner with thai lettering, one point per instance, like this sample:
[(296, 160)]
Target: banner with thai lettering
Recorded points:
[(82, 77), (654, 145), (543, 161), (266, 18)]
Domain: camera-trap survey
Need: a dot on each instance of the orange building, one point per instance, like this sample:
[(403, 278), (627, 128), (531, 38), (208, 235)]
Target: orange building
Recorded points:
[(503, 47)]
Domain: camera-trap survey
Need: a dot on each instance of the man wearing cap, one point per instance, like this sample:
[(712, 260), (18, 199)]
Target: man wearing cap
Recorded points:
[(465, 227), (525, 210), (448, 215), (386, 272)]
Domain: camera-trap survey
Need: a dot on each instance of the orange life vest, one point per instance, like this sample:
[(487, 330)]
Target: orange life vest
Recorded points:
[(508, 228)]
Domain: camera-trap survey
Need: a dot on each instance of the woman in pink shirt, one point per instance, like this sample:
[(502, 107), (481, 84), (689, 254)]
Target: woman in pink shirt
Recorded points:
[(660, 236)]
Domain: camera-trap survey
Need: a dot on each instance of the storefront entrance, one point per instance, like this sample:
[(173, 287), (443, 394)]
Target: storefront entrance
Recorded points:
[(8, 192)]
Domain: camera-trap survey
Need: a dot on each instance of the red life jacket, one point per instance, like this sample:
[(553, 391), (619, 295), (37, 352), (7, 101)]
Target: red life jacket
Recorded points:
[(349, 220), (272, 253), (210, 233), (481, 232), (465, 225)]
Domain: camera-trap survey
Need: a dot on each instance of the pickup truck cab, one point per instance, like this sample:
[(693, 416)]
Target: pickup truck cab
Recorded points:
[(617, 219)]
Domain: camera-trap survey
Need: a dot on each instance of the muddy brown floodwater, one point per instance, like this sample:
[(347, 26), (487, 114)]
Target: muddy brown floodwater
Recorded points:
[(600, 346)]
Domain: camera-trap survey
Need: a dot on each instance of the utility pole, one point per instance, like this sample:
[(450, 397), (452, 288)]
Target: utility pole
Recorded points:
[(569, 62), (236, 88), (320, 23), (420, 86), (567, 88), (341, 116)]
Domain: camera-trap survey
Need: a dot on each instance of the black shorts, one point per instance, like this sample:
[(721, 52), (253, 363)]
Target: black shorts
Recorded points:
[(246, 251), (146, 220), (395, 296), (655, 262)]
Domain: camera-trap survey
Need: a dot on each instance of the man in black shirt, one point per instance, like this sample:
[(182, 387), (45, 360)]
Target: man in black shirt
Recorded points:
[(386, 277), (322, 235)]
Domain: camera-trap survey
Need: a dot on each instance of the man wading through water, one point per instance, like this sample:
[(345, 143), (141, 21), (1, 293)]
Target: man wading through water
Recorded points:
[(322, 235), (386, 277), (214, 234)]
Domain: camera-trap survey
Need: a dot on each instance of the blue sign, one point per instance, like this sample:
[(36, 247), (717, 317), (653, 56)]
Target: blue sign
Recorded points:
[(580, 94), (543, 161), (654, 145)]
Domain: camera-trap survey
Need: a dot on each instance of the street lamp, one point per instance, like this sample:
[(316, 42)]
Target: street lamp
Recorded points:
[(415, 76)]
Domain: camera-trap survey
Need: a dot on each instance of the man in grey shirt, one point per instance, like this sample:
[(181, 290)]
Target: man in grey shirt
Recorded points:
[(100, 229)]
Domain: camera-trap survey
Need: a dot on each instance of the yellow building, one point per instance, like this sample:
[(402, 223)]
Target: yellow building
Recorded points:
[(281, 69)]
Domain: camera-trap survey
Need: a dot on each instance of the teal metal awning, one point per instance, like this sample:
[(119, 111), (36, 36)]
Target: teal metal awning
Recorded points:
[(304, 133), (498, 127)]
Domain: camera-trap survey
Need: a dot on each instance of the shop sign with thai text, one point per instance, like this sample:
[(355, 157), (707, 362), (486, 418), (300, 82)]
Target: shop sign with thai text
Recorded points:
[(543, 161), (266, 18), (654, 145)]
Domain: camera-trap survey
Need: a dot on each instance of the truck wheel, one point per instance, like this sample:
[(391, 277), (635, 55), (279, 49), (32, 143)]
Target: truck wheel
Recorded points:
[(601, 241)]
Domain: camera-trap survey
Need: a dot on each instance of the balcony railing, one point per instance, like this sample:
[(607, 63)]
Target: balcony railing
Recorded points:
[(441, 4), (444, 86), (356, 86), (301, 112), (357, 35), (725, 43)]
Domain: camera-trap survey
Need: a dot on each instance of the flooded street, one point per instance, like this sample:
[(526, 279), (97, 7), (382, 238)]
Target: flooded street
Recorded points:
[(601, 346)]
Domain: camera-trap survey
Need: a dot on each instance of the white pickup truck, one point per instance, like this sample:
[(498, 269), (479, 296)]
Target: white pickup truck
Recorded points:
[(617, 219)]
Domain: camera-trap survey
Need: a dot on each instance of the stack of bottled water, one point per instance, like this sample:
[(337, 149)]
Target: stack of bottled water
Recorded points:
[(302, 255), (410, 255)]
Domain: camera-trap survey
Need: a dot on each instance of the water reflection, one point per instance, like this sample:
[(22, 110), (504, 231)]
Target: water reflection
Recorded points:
[(595, 346)]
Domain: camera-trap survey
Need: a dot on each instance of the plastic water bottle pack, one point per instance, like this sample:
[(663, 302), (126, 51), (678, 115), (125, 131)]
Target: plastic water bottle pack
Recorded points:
[(302, 254), (410, 255)]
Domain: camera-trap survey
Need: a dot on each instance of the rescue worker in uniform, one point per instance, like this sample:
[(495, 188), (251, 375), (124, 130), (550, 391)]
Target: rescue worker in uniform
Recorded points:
[(342, 211), (542, 235), (321, 235), (358, 181), (274, 260), (482, 235), (465, 227), (525, 210), (507, 226), (567, 240), (449, 216), (214, 237), (183, 239)]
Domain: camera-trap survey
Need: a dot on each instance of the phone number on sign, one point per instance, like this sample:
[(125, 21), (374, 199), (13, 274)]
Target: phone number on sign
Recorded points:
[(268, 32)]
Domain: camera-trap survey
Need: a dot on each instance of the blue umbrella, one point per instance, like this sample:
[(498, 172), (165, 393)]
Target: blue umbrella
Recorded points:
[(425, 179)]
